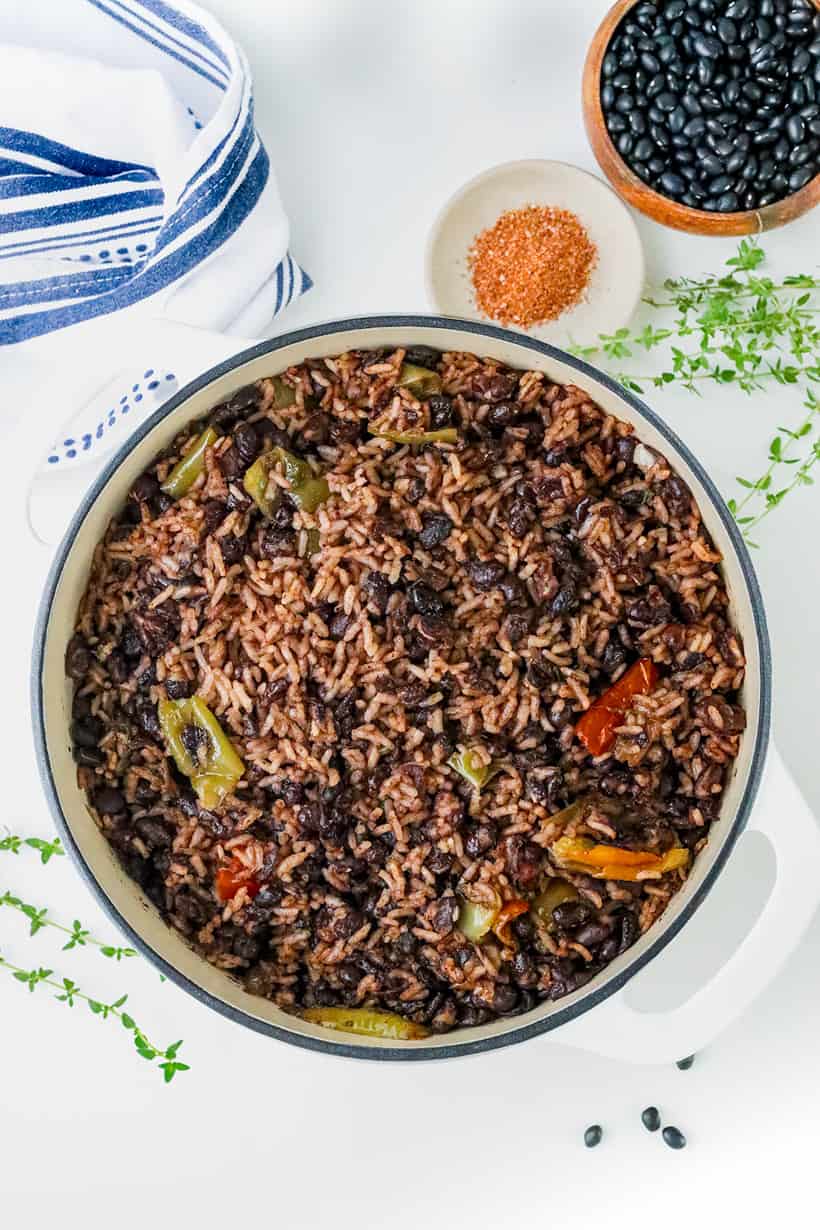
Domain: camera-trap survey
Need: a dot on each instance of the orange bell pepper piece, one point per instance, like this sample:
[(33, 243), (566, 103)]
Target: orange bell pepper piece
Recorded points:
[(596, 729), (614, 862), (509, 911)]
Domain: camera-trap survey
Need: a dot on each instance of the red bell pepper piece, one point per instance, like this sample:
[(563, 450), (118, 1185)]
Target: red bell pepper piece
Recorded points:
[(230, 879), (596, 729)]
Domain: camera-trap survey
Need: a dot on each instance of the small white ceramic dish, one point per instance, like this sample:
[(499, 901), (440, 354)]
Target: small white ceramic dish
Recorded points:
[(617, 280)]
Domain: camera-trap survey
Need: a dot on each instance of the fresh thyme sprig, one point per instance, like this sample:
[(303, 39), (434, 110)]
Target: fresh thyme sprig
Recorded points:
[(744, 329), (78, 936), (70, 993), (13, 844)]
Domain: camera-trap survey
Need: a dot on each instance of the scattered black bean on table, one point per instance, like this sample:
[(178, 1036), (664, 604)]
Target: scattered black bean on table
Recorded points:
[(651, 1118), (716, 103), (674, 1137), (685, 1064), (593, 1135)]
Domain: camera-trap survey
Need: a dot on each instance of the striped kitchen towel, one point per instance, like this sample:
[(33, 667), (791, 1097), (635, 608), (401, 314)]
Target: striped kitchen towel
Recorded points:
[(131, 173)]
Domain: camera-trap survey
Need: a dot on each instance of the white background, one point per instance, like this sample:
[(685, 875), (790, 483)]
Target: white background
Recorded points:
[(373, 113)]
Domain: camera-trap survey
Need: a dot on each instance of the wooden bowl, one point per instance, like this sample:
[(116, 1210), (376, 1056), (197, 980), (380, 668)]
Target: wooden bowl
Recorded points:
[(633, 189)]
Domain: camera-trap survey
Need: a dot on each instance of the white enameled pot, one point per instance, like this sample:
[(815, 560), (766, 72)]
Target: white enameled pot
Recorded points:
[(167, 949)]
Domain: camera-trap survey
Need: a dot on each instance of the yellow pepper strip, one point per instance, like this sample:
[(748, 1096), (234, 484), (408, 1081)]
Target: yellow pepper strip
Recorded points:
[(444, 435), (283, 394), (217, 768), (188, 469), (475, 921), (555, 894), (419, 380), (613, 862), (306, 490), (367, 1022), (472, 770)]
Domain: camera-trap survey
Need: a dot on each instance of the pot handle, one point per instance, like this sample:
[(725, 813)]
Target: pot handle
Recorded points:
[(618, 1031), (57, 461)]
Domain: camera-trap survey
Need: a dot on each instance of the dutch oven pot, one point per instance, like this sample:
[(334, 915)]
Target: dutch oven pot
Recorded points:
[(137, 917)]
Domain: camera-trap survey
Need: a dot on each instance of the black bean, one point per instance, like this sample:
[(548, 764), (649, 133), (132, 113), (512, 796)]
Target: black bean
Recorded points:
[(710, 164), (423, 356), (480, 839), (441, 411), (673, 1137), (109, 801), (685, 1064), (436, 527), (643, 150), (665, 102), (656, 86), (246, 442), (781, 149), (762, 56), (801, 155), (377, 588), (708, 46), (801, 62), (695, 127), (677, 120), (738, 10), (651, 1119), (617, 123), (799, 178), (571, 914), (624, 144), (425, 600), (86, 732), (766, 136), (672, 183), (607, 96), (485, 574), (145, 488), (77, 659), (728, 203), (727, 30), (649, 62), (593, 1136), (735, 162)]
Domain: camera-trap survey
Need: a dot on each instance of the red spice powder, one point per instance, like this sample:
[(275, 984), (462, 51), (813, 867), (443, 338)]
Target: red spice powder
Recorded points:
[(531, 265)]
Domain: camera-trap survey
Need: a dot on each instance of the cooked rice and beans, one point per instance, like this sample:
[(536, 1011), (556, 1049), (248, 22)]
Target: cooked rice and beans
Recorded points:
[(405, 685)]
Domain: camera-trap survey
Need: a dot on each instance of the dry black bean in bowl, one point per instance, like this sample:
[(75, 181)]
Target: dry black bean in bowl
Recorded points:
[(406, 687), (716, 103)]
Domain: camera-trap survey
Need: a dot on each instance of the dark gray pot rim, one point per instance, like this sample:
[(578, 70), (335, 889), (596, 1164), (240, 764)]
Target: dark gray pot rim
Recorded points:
[(666, 933)]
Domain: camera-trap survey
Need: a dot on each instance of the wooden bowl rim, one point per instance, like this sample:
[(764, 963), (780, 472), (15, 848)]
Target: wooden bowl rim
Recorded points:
[(645, 198)]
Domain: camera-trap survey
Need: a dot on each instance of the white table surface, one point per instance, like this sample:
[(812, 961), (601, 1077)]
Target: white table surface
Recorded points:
[(374, 112)]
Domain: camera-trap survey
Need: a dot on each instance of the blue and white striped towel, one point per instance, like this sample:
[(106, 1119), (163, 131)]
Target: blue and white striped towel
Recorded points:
[(131, 175)]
